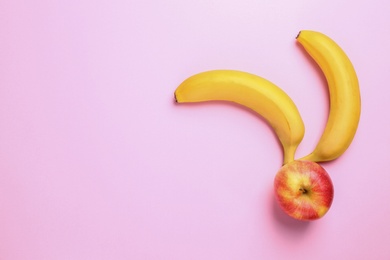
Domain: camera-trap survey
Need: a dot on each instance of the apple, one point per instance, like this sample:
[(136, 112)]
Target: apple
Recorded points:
[(304, 190)]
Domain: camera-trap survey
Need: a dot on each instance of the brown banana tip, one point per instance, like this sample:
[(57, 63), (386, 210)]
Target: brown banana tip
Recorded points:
[(174, 94), (298, 35)]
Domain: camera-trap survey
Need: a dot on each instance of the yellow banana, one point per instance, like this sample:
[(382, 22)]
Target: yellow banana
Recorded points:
[(253, 92), (344, 110)]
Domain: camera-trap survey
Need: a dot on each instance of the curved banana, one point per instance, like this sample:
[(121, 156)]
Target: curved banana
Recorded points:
[(344, 111), (253, 92)]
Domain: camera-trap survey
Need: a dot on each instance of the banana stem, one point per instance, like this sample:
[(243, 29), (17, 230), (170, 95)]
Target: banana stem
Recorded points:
[(289, 154)]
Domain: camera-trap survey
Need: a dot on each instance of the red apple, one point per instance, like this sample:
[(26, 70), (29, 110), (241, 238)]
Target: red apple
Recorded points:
[(304, 190)]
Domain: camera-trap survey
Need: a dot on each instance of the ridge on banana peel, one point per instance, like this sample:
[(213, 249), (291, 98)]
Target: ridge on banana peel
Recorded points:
[(253, 92), (344, 93)]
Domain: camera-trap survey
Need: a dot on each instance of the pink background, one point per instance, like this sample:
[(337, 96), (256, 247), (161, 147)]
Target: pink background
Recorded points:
[(98, 162)]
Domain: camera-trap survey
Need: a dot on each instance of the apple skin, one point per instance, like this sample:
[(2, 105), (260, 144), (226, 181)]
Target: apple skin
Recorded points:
[(304, 190)]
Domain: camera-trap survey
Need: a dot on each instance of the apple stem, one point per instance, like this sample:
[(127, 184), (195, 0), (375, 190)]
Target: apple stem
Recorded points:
[(303, 190)]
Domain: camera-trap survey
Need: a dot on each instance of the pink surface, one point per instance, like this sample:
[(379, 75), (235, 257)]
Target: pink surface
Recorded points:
[(98, 162)]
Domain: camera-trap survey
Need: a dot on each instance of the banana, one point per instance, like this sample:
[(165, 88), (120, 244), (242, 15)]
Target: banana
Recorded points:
[(344, 93), (253, 92)]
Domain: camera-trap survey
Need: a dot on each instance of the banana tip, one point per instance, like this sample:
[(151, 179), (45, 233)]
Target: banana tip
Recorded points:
[(298, 35)]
